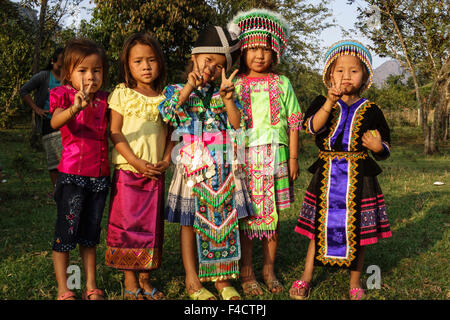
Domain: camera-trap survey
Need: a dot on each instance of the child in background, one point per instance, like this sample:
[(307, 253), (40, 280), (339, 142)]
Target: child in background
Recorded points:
[(42, 83), (205, 194), (141, 156), (272, 120), (79, 110), (343, 209)]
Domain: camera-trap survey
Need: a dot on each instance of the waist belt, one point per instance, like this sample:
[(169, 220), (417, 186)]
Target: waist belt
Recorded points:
[(348, 155)]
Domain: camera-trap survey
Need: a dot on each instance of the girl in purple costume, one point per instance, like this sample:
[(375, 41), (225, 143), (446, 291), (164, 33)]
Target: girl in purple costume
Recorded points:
[(343, 209)]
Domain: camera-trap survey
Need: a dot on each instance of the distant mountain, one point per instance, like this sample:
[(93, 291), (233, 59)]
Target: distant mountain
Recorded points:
[(388, 68)]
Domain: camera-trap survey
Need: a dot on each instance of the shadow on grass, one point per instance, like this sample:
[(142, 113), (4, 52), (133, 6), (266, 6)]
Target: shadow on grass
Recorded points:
[(418, 222)]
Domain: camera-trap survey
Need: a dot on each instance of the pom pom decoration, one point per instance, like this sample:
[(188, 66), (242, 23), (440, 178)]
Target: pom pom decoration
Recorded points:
[(261, 28)]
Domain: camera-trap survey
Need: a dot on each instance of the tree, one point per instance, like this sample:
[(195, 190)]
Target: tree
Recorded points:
[(175, 24), (50, 15), (306, 22), (16, 50), (416, 34)]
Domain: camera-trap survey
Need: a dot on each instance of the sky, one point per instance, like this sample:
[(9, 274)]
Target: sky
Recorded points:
[(345, 16)]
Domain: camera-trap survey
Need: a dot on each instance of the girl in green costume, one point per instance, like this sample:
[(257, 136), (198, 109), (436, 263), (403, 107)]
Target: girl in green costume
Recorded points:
[(272, 120)]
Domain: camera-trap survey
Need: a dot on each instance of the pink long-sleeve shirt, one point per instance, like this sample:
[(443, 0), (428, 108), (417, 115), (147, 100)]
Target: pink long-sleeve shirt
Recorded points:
[(84, 138)]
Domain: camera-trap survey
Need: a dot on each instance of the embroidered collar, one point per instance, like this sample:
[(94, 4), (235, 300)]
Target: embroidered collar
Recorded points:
[(206, 99)]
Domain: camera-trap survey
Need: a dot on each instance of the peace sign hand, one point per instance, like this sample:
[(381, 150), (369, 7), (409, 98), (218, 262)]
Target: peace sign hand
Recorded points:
[(82, 98), (227, 87), (335, 92), (195, 78)]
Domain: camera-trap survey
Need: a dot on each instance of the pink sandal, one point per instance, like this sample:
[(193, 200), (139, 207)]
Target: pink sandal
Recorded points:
[(87, 294), (300, 284), (66, 296), (357, 294)]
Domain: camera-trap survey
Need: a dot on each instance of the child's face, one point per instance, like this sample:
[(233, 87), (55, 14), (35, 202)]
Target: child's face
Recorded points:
[(349, 72), (209, 65), (89, 71), (259, 59), (57, 65), (143, 64)]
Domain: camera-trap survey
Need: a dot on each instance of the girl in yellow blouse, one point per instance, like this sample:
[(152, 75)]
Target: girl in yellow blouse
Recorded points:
[(141, 155)]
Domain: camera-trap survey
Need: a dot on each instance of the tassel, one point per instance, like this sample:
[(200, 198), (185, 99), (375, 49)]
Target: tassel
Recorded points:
[(218, 271)]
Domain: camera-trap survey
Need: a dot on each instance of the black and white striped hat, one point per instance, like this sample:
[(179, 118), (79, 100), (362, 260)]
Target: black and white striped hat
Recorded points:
[(214, 39)]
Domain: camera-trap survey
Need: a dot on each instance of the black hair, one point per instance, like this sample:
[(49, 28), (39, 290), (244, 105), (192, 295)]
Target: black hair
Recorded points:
[(145, 39), (54, 58)]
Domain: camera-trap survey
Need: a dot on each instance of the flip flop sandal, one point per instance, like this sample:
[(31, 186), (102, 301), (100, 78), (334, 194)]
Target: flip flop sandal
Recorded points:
[(227, 293), (151, 295), (202, 294), (250, 286), (299, 284), (87, 294), (357, 294), (272, 284), (66, 296), (130, 295)]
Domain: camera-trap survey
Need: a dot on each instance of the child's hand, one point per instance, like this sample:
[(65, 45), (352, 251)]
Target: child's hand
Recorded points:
[(146, 169), (227, 87), (151, 172), (335, 92), (162, 166), (41, 112), (371, 139), (293, 169), (82, 97), (195, 77)]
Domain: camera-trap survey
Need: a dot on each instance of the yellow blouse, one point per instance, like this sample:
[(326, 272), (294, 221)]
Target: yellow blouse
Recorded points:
[(142, 125)]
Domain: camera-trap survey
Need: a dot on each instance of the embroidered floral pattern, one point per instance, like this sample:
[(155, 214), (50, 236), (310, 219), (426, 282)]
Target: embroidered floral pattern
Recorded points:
[(274, 96), (246, 100)]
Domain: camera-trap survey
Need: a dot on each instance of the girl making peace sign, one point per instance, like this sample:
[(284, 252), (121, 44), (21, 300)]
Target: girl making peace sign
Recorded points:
[(79, 110), (343, 209), (205, 195)]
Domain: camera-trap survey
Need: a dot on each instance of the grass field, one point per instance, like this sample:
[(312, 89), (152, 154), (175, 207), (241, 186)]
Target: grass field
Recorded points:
[(414, 263)]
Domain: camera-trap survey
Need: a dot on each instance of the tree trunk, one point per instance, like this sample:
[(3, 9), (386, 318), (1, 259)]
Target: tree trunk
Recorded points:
[(423, 112), (38, 41), (36, 66), (438, 98)]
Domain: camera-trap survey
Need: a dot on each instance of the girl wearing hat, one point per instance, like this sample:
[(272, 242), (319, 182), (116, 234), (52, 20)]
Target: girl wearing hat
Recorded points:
[(272, 120), (343, 208), (206, 196)]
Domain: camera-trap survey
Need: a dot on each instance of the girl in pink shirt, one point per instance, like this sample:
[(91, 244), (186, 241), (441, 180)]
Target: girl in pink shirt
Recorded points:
[(79, 110)]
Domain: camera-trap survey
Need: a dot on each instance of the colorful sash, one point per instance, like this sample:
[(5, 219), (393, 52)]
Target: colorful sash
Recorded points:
[(216, 223), (216, 218), (336, 242), (260, 171), (336, 239)]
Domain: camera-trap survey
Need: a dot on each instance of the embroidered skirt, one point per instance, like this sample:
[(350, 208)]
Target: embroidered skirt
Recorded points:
[(136, 224), (267, 179), (342, 210), (212, 205)]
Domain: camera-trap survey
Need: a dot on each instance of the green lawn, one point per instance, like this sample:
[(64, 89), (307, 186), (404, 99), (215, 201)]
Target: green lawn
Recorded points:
[(413, 263)]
